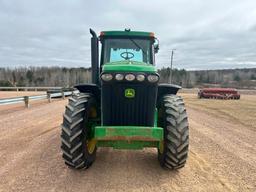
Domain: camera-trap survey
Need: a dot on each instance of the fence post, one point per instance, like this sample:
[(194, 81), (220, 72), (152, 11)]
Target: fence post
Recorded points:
[(26, 100), (49, 97), (63, 95)]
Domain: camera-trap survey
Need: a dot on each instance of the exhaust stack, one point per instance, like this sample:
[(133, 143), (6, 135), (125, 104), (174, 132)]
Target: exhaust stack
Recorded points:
[(95, 57)]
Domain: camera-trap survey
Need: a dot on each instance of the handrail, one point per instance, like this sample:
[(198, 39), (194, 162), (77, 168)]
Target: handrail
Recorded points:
[(26, 99), (30, 88)]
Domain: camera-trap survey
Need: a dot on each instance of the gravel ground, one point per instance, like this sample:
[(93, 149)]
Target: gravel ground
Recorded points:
[(222, 156)]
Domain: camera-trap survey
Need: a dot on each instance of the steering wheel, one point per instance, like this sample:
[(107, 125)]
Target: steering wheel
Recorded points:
[(127, 55)]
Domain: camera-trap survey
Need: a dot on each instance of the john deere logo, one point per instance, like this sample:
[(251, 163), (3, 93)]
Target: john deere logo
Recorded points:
[(129, 93)]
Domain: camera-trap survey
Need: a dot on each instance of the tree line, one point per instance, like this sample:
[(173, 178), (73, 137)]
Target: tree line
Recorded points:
[(236, 78), (68, 77), (44, 76)]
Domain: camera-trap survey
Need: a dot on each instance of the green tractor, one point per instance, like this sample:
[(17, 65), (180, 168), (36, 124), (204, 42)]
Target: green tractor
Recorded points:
[(125, 107)]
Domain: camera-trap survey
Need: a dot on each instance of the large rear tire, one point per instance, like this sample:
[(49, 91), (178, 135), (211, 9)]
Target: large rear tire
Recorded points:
[(79, 150), (173, 118)]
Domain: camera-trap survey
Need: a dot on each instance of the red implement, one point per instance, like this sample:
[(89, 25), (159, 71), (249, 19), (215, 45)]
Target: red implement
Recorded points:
[(218, 93)]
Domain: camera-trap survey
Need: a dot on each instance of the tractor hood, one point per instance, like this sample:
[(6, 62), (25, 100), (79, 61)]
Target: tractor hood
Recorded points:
[(128, 66)]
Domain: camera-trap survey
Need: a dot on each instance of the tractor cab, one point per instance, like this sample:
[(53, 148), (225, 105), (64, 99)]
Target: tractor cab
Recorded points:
[(128, 47)]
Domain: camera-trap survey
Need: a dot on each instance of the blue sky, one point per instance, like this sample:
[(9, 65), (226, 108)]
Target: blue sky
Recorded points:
[(206, 34)]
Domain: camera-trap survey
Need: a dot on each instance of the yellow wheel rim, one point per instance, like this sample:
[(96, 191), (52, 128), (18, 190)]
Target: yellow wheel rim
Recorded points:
[(91, 144), (93, 112), (161, 147)]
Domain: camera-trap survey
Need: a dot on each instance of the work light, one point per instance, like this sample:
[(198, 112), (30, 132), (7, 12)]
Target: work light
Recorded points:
[(129, 77), (153, 78), (119, 77), (140, 77), (106, 77)]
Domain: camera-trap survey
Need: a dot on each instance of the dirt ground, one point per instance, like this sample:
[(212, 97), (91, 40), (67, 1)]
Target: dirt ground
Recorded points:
[(222, 153)]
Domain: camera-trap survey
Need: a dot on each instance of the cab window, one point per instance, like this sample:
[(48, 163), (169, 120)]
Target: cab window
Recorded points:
[(130, 49)]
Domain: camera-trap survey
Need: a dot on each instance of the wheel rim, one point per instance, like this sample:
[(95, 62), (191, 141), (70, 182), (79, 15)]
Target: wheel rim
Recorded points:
[(91, 144), (93, 112), (161, 147)]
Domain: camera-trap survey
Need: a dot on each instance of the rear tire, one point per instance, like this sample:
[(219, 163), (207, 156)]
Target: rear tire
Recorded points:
[(75, 132), (173, 118)]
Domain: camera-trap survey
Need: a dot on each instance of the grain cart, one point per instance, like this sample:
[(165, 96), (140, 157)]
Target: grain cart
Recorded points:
[(125, 107)]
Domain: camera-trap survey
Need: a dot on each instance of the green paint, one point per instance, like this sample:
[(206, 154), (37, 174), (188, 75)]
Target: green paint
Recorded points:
[(128, 66), (128, 132), (155, 117), (127, 33), (129, 93), (128, 137)]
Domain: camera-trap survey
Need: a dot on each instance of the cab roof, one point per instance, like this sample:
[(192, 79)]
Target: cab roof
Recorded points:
[(127, 32)]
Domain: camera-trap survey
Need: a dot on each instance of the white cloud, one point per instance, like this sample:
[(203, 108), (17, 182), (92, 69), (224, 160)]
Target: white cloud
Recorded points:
[(206, 34)]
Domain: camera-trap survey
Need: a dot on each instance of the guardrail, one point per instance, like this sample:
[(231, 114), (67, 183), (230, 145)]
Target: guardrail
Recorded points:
[(29, 88), (27, 99)]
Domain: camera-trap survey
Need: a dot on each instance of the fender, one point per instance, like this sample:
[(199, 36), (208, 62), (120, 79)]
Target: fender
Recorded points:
[(165, 88), (90, 88)]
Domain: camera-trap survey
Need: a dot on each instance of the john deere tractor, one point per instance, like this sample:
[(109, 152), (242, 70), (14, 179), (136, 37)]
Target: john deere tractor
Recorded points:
[(125, 107)]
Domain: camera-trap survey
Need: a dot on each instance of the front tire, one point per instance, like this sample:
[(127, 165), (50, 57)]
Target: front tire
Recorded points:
[(173, 118), (76, 131)]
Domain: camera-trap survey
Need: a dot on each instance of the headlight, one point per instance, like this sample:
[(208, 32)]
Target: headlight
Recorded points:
[(153, 78), (106, 77), (119, 77), (140, 77), (129, 77)]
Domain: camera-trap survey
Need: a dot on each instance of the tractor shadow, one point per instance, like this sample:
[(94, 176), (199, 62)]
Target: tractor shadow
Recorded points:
[(127, 170)]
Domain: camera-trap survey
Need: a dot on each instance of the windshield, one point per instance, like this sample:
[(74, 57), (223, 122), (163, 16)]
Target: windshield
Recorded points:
[(127, 49)]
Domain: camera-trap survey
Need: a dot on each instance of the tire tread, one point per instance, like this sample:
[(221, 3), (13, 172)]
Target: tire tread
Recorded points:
[(177, 133)]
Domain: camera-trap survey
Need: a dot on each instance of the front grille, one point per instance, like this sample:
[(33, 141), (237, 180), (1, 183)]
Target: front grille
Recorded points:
[(119, 110)]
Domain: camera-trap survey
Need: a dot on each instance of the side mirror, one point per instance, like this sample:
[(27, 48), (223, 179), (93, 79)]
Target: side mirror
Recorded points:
[(156, 45)]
